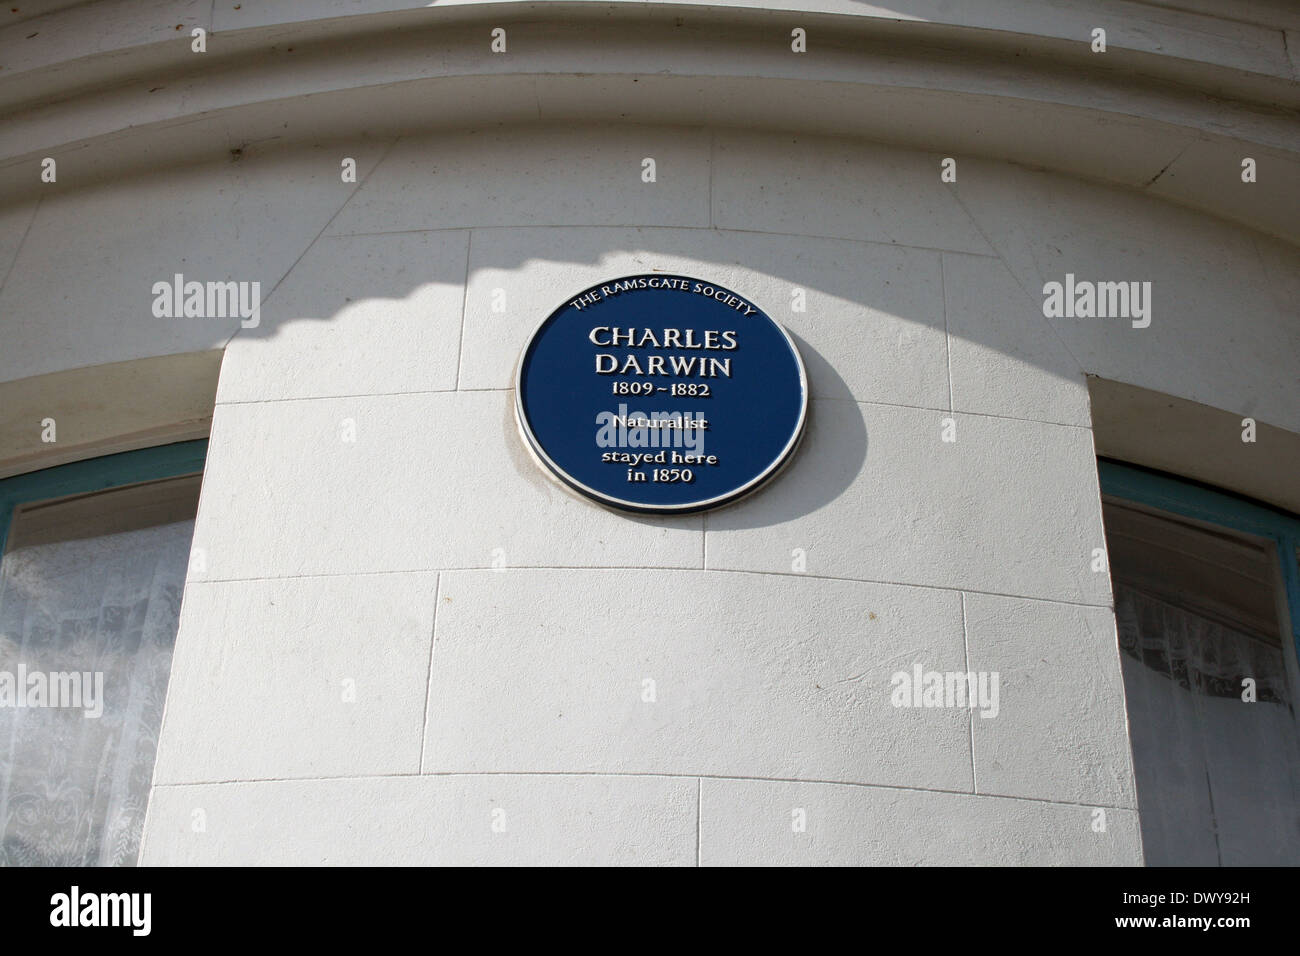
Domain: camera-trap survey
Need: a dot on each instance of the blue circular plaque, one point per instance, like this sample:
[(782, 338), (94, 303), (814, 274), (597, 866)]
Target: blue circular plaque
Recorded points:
[(661, 394)]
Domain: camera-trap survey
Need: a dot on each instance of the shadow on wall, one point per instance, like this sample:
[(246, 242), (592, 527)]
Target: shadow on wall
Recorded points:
[(339, 311), (895, 293)]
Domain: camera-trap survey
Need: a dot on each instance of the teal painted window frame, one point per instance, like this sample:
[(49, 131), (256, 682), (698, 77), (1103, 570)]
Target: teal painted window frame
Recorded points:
[(98, 474), (1182, 497)]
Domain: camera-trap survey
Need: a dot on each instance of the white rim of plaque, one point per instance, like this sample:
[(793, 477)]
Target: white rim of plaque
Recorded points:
[(774, 468)]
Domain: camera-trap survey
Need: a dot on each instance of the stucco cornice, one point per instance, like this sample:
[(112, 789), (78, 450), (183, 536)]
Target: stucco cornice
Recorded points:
[(1176, 126)]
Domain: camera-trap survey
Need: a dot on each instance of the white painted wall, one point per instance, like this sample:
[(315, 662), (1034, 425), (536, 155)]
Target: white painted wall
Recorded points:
[(327, 561), (519, 689)]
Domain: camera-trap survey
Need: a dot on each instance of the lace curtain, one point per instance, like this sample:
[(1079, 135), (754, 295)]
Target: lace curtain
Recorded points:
[(1198, 654), (1218, 779), (73, 788)]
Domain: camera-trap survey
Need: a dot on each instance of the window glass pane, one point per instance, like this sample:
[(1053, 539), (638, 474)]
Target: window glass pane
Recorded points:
[(90, 594), (1218, 777), (1213, 573)]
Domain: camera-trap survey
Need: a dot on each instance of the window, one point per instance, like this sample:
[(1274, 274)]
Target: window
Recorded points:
[(1205, 592), (94, 562)]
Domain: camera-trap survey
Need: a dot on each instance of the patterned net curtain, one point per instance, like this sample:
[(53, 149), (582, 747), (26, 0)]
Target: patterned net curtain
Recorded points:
[(1198, 654), (73, 786)]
